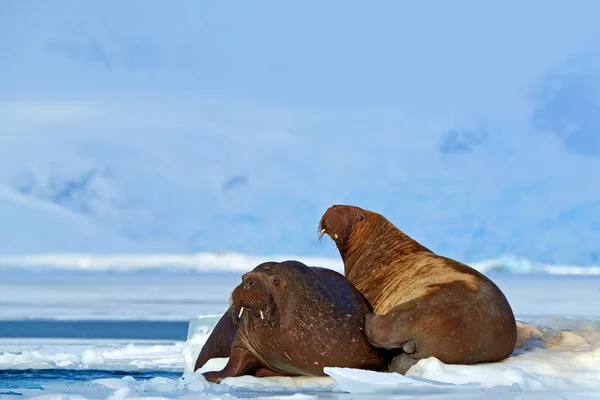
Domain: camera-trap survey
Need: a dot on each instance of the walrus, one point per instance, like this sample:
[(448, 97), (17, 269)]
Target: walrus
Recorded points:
[(424, 304), (290, 319)]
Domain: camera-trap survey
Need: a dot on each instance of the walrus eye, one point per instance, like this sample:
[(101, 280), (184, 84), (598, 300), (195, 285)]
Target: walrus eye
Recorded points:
[(361, 217), (275, 280)]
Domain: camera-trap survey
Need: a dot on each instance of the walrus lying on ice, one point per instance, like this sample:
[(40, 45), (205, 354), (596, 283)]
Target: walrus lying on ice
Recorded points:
[(423, 304), (289, 319)]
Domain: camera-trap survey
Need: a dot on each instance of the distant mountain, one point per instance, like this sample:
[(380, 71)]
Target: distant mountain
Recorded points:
[(531, 198), (29, 226), (206, 128)]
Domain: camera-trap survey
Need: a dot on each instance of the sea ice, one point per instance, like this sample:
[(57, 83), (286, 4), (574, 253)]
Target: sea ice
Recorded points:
[(548, 362), (89, 354), (545, 359)]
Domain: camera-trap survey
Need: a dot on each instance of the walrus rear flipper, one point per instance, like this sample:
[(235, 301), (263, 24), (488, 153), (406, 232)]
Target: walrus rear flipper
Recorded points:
[(220, 340)]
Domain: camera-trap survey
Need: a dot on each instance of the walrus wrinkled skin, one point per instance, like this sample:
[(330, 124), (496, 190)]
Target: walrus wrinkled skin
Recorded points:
[(423, 304), (293, 320)]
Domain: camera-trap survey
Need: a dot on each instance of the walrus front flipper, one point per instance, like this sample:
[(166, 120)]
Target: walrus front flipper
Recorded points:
[(220, 340), (239, 363)]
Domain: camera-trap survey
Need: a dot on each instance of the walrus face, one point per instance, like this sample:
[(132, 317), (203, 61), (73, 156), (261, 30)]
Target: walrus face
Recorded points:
[(257, 294), (339, 221)]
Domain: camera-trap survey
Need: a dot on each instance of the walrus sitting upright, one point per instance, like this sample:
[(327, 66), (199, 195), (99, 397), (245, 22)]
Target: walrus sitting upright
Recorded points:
[(290, 320), (423, 304)]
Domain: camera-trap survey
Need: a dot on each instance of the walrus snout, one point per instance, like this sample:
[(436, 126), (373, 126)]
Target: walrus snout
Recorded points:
[(253, 294), (251, 279), (248, 283)]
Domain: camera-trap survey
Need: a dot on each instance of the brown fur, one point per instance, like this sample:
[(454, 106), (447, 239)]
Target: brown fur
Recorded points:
[(430, 304), (312, 318)]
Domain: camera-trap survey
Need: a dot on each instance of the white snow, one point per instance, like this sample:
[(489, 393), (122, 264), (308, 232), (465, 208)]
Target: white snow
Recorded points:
[(242, 262), (199, 262)]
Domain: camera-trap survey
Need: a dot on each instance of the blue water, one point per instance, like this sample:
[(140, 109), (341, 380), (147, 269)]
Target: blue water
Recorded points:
[(91, 329), (14, 381), (37, 378)]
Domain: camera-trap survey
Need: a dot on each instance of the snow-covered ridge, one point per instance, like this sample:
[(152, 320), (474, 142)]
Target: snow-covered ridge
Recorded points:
[(239, 262), (199, 262)]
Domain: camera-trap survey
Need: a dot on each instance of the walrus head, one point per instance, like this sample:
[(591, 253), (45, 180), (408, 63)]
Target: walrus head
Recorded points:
[(341, 222), (258, 293), (363, 236)]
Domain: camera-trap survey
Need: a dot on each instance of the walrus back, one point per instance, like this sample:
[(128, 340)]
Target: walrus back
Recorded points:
[(349, 295), (413, 276)]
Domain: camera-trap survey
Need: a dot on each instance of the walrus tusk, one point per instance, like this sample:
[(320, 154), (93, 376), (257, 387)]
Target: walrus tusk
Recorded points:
[(261, 315), (241, 311), (323, 230), (336, 236)]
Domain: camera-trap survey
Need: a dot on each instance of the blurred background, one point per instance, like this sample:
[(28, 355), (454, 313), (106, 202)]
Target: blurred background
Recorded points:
[(131, 127), (153, 151)]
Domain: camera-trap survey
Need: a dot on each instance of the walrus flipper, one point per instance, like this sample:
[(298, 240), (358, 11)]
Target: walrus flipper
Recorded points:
[(220, 340), (239, 364)]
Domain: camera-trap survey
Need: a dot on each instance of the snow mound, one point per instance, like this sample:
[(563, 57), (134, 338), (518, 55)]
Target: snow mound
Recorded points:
[(371, 382)]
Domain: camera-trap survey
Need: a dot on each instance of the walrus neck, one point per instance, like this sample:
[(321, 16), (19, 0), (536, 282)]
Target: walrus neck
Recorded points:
[(376, 246)]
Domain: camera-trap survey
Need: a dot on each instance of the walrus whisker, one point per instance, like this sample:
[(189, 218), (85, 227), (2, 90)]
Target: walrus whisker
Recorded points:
[(321, 233), (262, 316)]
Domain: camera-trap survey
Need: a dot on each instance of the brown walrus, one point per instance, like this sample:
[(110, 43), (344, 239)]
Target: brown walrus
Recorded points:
[(423, 303), (290, 320)]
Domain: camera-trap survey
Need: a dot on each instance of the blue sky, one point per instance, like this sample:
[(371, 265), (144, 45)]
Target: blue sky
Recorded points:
[(461, 62), (305, 104), (461, 56)]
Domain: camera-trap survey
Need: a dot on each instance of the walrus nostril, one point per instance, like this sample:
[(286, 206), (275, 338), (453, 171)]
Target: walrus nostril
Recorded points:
[(248, 284)]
